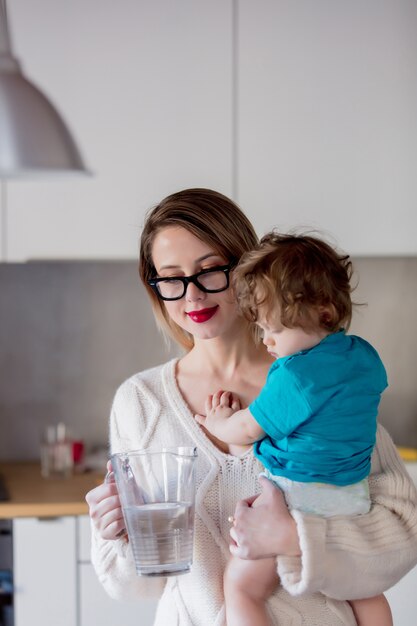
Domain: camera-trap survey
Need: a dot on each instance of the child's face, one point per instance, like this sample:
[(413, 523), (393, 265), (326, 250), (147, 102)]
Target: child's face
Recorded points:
[(283, 341)]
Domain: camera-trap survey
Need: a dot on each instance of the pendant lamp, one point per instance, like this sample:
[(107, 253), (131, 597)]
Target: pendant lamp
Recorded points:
[(34, 139)]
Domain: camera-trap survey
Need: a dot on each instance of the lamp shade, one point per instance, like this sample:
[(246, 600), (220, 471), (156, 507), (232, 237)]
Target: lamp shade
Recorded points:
[(34, 139)]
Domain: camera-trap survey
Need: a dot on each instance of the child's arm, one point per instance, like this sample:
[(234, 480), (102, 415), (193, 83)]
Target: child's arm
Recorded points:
[(225, 421)]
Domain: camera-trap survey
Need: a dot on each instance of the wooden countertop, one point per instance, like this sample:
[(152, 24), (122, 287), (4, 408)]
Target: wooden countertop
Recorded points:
[(30, 495)]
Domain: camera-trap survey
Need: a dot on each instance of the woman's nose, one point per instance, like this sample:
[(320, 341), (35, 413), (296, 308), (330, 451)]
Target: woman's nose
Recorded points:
[(193, 293)]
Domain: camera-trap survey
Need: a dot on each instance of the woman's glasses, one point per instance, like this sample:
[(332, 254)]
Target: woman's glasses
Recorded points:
[(212, 280)]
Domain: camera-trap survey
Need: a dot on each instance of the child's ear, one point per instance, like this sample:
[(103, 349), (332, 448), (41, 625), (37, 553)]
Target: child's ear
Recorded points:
[(326, 315)]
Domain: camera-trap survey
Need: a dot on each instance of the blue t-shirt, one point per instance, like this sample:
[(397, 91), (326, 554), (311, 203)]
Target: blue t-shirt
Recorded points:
[(318, 409)]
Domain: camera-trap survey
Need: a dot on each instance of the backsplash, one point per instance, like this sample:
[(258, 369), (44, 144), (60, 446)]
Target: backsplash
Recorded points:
[(71, 332), (388, 286)]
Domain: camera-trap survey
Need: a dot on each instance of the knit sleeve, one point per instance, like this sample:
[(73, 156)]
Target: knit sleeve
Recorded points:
[(359, 556), (131, 417)]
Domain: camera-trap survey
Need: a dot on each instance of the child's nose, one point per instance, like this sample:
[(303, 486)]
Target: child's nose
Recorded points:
[(267, 340)]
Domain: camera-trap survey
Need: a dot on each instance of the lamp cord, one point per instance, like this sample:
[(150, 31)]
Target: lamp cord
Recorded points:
[(5, 44), (4, 51)]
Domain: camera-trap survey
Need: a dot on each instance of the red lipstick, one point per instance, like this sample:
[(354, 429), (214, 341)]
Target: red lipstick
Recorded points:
[(202, 315)]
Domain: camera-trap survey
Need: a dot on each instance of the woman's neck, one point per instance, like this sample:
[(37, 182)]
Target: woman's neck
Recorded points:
[(232, 363), (225, 356)]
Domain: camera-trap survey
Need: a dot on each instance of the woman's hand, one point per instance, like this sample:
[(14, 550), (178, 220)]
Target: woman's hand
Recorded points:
[(105, 510), (263, 526)]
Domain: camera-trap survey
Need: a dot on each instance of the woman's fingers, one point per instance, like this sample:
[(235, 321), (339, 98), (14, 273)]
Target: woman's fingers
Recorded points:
[(248, 501), (102, 502), (263, 526), (112, 524), (105, 510)]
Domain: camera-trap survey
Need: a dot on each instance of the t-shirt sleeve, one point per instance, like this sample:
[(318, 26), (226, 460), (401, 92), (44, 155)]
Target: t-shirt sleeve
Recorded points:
[(281, 405)]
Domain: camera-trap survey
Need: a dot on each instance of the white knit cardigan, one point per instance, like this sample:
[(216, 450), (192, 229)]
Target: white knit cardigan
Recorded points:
[(342, 558)]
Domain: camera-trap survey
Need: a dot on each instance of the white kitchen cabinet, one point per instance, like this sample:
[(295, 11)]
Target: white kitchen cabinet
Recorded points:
[(45, 571), (55, 583), (146, 89), (95, 606), (403, 600), (327, 94)]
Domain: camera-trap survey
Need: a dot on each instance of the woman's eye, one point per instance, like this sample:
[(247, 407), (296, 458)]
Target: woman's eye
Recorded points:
[(170, 277)]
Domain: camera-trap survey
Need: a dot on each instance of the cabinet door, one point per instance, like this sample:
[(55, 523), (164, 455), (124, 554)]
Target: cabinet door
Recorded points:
[(403, 601), (45, 571), (326, 128), (96, 607), (146, 89)]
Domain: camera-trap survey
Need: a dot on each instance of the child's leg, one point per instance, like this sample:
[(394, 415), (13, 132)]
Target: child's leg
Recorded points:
[(247, 586), (372, 611)]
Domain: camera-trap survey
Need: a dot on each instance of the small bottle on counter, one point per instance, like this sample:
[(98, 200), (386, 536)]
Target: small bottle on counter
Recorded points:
[(56, 452), (78, 455)]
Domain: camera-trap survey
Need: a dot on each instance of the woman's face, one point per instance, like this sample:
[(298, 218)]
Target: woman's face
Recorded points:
[(177, 252)]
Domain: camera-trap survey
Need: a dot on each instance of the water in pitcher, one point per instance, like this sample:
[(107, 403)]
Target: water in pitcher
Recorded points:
[(161, 535)]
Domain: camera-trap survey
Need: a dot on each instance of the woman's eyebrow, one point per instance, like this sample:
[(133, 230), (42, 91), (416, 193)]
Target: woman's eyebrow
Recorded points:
[(202, 258)]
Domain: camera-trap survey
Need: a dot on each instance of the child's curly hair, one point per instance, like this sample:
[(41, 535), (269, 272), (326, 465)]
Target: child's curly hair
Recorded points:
[(303, 275)]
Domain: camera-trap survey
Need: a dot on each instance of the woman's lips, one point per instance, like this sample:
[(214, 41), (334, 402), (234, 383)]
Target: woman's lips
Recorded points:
[(202, 315)]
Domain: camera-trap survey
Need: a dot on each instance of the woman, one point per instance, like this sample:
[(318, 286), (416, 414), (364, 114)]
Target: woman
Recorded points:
[(190, 243)]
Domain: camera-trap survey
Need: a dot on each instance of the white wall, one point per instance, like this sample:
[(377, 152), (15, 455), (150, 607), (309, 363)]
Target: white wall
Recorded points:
[(145, 87), (337, 82), (302, 111)]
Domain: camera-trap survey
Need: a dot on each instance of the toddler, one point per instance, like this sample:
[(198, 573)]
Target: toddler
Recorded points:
[(313, 424)]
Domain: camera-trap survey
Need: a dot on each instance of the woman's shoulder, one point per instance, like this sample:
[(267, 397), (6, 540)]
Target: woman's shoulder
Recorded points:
[(150, 378), (152, 373), (137, 406)]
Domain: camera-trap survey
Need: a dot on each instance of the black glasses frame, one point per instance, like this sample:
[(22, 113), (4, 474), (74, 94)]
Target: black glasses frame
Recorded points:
[(186, 280)]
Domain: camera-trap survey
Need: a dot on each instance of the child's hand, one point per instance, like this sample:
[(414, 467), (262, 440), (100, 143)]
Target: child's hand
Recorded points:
[(219, 407)]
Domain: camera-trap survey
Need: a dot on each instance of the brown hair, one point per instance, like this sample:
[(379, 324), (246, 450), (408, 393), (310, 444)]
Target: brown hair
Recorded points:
[(210, 216), (305, 276)]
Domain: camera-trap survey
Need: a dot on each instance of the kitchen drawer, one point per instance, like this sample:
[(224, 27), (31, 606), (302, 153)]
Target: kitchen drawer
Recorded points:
[(96, 607), (45, 572), (402, 599), (84, 539)]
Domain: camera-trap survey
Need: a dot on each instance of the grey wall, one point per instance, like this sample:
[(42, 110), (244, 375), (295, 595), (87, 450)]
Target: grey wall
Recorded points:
[(70, 332), (388, 286)]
